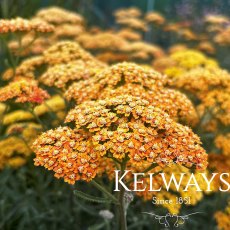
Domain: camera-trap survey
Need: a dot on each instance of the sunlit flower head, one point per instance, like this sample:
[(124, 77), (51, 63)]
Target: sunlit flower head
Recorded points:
[(222, 38), (216, 19), (129, 34), (68, 31), (206, 47), (112, 77), (176, 104), (15, 147), (151, 51), (55, 104), (134, 23)]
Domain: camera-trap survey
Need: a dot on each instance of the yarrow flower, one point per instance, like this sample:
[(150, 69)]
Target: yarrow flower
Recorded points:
[(119, 74), (116, 128), (23, 91), (128, 12), (55, 103), (129, 125), (129, 78), (176, 104), (222, 37), (102, 41)]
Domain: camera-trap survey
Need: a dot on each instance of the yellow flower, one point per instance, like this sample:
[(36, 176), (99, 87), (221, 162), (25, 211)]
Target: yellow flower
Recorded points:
[(15, 149), (56, 103)]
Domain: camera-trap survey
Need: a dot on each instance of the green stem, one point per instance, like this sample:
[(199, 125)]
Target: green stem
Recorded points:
[(122, 210), (102, 189), (37, 118)]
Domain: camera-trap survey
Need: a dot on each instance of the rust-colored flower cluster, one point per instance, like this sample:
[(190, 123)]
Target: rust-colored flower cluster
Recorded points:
[(113, 112), (23, 91), (61, 64)]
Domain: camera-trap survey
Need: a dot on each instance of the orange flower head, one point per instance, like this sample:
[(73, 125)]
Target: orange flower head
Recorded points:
[(129, 126)]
